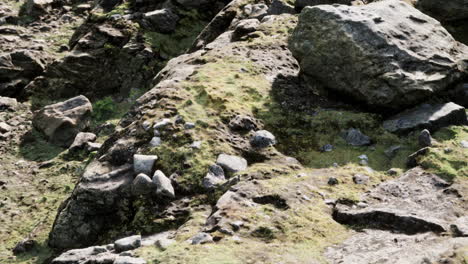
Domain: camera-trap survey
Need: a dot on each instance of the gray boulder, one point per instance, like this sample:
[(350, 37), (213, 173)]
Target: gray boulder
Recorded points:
[(81, 141), (360, 179), (127, 243), (78, 256), (355, 137), (262, 139), (4, 127), (7, 103), (201, 238), (245, 27), (163, 185), (61, 122), (214, 177), (129, 260), (164, 20), (372, 53), (231, 164), (426, 116), (142, 184), (300, 4), (144, 163)]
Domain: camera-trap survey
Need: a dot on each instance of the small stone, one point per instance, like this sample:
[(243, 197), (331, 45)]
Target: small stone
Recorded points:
[(236, 225), (332, 181), (363, 163), (163, 185), (355, 137), (231, 163), (92, 146), (142, 184), (164, 243), (179, 119), (162, 124), (425, 139), (146, 125), (392, 172), (262, 139), (129, 260), (201, 238), (128, 243), (214, 177), (360, 179), (242, 123), (188, 126), (144, 163), (464, 144), (196, 145), (327, 148), (363, 157), (24, 246), (448, 150), (81, 140), (155, 142), (4, 127), (7, 103)]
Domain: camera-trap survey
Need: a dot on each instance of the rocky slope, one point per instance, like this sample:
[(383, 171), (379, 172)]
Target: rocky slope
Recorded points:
[(242, 131)]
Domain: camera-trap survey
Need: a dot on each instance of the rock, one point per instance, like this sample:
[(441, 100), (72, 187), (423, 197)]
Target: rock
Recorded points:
[(426, 116), (129, 260), (164, 20), (127, 243), (245, 27), (163, 185), (81, 141), (92, 146), (425, 139), (144, 163), (412, 160), (78, 256), (327, 148), (196, 145), (214, 177), (155, 142), (262, 139), (7, 103), (392, 172), (257, 11), (164, 243), (242, 123), (142, 184), (279, 7), (391, 152), (36, 8), (464, 144), (162, 124), (368, 53), (4, 127), (332, 181), (231, 164), (24, 246), (201, 238), (189, 125), (354, 137), (61, 122), (300, 4), (360, 179), (363, 157)]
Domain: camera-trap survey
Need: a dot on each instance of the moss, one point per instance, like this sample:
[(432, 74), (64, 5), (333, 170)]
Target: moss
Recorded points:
[(35, 147), (120, 9), (448, 158)]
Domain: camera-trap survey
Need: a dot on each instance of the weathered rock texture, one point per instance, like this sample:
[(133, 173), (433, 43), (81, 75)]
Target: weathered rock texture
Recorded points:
[(386, 54)]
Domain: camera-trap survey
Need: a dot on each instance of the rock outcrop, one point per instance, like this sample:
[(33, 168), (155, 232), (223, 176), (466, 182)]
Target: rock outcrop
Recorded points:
[(387, 59)]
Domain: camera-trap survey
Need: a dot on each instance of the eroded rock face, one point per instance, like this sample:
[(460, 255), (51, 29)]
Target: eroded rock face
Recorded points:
[(386, 54), (61, 122)]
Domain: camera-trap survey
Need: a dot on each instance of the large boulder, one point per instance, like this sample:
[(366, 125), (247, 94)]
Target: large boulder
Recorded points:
[(36, 8), (386, 54), (164, 20), (61, 122)]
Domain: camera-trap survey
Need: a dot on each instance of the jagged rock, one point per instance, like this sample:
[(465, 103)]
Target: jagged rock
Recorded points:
[(425, 139), (412, 160), (360, 179), (245, 27), (162, 124), (93, 146), (414, 203), (279, 7), (155, 142), (127, 243), (129, 260), (61, 122), (355, 137), (24, 246), (4, 127), (391, 152), (300, 4), (368, 53), (163, 185), (426, 116), (144, 163), (201, 238), (7, 103), (243, 123), (164, 20), (99, 202), (257, 11), (214, 177), (143, 185), (262, 139), (231, 164), (81, 141), (17, 68), (332, 181), (36, 8)]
